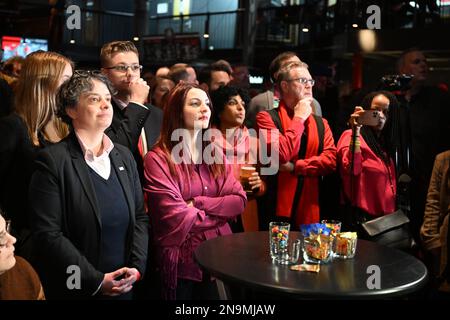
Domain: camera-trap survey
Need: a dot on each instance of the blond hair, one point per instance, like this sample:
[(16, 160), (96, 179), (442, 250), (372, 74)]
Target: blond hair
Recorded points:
[(111, 48), (35, 95)]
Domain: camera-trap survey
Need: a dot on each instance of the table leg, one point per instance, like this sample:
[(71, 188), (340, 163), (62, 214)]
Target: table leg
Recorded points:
[(223, 292)]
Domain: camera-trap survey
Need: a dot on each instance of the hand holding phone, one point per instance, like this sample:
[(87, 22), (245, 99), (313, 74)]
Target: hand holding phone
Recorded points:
[(354, 116)]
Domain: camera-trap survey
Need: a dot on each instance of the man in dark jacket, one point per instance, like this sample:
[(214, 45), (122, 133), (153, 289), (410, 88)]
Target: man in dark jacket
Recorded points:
[(424, 124), (134, 124)]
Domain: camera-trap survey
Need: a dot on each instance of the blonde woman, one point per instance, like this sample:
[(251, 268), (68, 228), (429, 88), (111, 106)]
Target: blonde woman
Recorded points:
[(29, 128)]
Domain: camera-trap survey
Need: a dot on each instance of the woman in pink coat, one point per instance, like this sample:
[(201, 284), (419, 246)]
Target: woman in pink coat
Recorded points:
[(190, 198)]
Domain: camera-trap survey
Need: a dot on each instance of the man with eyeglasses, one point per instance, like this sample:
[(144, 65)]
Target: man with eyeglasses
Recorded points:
[(271, 98), (134, 125), (305, 146)]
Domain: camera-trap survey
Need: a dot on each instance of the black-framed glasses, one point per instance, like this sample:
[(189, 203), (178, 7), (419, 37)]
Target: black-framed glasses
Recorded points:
[(122, 68), (303, 81)]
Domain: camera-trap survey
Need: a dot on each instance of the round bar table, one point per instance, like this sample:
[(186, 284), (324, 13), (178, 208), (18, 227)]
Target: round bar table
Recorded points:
[(243, 260)]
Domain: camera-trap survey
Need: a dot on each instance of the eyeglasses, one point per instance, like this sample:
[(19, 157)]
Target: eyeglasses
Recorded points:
[(3, 239), (122, 68), (303, 81)]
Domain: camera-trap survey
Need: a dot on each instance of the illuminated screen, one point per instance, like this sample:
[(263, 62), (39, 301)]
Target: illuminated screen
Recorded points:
[(331, 3), (16, 46), (256, 79)]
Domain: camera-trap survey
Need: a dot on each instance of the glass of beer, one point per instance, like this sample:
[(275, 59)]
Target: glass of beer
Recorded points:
[(246, 172)]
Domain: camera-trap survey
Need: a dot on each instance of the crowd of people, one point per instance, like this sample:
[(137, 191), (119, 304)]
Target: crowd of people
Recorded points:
[(109, 180)]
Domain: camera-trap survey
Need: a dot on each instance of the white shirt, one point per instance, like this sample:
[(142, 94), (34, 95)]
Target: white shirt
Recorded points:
[(101, 164)]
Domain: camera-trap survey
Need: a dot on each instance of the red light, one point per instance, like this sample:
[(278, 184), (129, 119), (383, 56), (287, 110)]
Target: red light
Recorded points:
[(10, 42)]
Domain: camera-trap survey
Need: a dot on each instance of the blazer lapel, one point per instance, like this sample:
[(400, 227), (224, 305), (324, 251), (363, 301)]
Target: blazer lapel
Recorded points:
[(83, 173), (122, 173), (148, 128), (116, 110)]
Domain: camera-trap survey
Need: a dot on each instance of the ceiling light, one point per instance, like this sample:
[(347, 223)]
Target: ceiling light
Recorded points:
[(367, 40)]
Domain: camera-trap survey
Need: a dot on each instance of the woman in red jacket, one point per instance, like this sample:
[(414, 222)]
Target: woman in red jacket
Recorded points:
[(366, 157)]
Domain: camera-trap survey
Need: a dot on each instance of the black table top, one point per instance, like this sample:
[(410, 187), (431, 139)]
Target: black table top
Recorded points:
[(244, 259)]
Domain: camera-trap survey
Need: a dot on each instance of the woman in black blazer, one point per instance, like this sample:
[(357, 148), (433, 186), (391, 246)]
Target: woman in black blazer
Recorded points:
[(86, 202), (32, 126)]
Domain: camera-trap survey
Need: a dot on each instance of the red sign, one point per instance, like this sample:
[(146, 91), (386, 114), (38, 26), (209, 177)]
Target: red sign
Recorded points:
[(10, 43)]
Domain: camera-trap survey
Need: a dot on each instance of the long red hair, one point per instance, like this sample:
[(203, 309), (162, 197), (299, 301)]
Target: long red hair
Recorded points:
[(173, 120)]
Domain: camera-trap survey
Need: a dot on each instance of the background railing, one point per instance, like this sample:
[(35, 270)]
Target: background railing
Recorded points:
[(277, 26), (274, 24), (221, 27)]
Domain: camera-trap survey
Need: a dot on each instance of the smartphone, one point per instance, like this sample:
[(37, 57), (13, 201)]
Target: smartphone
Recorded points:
[(369, 118)]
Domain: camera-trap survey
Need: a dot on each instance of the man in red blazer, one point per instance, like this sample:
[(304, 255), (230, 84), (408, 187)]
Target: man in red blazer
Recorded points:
[(305, 146)]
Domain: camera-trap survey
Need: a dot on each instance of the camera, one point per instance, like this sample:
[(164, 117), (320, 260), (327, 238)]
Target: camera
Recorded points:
[(396, 82)]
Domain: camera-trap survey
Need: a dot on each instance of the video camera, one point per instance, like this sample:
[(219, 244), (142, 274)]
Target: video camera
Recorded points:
[(396, 82)]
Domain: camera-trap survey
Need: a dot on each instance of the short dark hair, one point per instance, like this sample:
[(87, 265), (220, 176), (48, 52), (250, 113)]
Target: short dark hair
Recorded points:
[(204, 76), (401, 59), (70, 91), (178, 73), (224, 64), (220, 98)]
